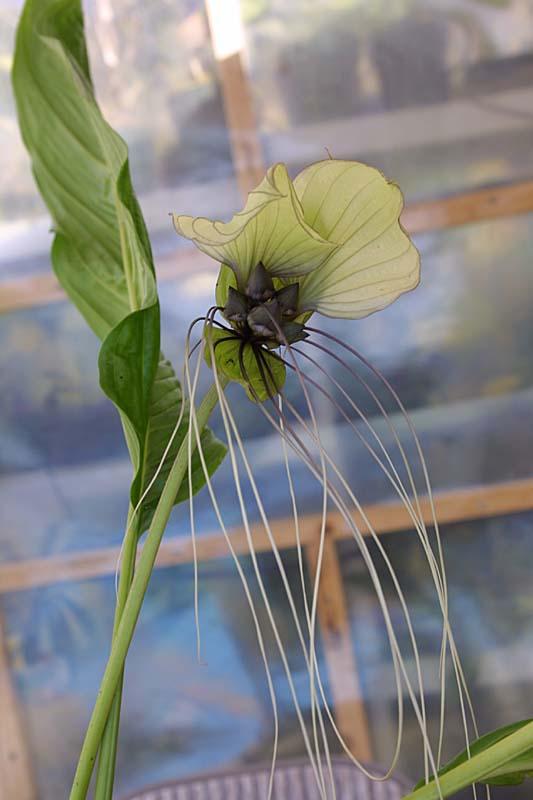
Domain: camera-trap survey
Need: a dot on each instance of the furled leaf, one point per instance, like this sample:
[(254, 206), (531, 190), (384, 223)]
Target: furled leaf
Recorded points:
[(509, 774), (101, 252), (374, 262), (243, 366)]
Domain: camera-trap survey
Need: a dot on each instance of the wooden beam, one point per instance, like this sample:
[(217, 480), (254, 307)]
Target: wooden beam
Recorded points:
[(461, 209), (457, 505), (42, 289), (468, 207), (16, 779), (30, 291), (16, 576), (476, 502), (227, 38), (334, 622)]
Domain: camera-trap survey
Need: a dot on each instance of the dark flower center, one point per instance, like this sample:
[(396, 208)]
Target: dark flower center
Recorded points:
[(263, 314)]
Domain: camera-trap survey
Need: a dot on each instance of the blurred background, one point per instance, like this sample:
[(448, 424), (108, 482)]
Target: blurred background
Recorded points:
[(437, 94)]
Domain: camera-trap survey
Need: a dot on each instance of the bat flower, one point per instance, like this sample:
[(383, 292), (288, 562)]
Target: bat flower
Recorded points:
[(328, 242)]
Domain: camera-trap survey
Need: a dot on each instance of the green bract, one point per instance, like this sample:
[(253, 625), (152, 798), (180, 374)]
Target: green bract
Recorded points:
[(330, 241), (261, 380)]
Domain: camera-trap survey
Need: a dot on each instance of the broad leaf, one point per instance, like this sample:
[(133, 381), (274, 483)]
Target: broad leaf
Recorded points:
[(509, 774), (101, 252), (150, 404)]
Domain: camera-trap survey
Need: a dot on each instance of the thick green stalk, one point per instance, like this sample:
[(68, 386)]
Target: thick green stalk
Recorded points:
[(132, 607), (478, 767), (108, 749)]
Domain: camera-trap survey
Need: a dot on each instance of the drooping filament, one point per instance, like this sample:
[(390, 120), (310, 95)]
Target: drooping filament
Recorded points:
[(301, 437)]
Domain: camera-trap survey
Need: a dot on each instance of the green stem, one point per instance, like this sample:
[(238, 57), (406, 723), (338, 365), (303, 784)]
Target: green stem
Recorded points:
[(478, 767), (108, 749), (132, 607)]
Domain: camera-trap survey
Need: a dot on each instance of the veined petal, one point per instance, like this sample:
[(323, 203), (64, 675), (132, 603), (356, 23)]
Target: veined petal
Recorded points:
[(271, 228), (355, 206)]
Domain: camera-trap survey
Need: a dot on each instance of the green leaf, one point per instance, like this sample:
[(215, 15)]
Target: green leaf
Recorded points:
[(101, 252), (511, 773), (144, 388), (102, 255), (259, 384)]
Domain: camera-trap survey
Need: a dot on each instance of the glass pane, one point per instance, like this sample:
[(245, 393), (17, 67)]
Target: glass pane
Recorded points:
[(433, 94), (489, 576), (456, 351), (23, 217), (174, 123), (437, 96), (179, 717)]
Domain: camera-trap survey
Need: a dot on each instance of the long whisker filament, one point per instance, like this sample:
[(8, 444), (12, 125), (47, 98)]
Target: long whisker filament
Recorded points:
[(300, 433), (438, 574)]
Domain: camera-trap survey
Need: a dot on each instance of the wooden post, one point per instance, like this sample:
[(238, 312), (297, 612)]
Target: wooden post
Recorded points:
[(16, 780), (227, 37), (332, 613)]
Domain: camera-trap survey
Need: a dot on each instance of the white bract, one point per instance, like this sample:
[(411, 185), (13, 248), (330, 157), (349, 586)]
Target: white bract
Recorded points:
[(335, 229)]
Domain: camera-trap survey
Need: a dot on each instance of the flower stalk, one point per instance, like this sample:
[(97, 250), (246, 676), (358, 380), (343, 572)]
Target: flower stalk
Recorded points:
[(108, 749), (132, 606)]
